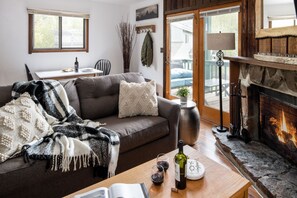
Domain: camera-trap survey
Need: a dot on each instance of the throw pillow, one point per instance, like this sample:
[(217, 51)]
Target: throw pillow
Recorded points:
[(138, 99), (21, 122)]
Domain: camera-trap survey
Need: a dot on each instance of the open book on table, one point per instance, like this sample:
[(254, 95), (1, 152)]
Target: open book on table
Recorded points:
[(117, 190)]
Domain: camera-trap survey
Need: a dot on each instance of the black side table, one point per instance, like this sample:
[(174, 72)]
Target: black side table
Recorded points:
[(189, 123)]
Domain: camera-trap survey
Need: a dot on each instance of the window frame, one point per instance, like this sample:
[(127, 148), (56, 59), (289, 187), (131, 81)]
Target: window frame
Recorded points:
[(59, 49)]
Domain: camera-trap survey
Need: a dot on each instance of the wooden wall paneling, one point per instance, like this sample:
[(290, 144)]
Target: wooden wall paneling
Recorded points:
[(209, 3), (244, 27), (173, 4), (203, 3), (292, 45), (192, 3), (279, 45), (265, 45), (186, 3), (252, 47), (239, 33), (166, 4), (249, 44), (179, 4)]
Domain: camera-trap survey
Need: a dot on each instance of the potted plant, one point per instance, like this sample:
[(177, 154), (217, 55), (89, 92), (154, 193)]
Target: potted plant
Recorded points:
[(183, 93)]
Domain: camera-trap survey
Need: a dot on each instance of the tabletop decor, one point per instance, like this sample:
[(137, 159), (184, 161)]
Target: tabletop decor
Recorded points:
[(183, 93)]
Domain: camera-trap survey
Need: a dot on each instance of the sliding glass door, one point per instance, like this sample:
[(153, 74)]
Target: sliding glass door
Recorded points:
[(180, 48), (225, 21), (190, 64)]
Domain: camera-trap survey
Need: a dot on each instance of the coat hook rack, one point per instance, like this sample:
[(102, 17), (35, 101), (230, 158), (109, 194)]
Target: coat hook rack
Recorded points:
[(145, 29)]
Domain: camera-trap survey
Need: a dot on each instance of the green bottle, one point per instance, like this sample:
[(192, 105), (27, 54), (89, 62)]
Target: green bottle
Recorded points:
[(180, 167)]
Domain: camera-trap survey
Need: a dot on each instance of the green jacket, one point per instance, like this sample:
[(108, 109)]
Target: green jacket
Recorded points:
[(147, 50)]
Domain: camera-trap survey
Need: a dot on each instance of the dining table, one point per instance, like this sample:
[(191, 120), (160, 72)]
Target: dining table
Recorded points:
[(67, 73)]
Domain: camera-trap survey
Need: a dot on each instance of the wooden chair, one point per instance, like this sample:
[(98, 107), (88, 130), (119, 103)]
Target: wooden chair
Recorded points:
[(29, 75), (104, 65)]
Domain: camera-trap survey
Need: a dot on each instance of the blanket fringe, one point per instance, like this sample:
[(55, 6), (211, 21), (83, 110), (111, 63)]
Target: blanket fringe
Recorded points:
[(79, 162)]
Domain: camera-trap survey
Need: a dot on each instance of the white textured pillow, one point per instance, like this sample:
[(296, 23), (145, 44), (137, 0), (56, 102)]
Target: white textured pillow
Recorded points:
[(21, 122), (138, 99)]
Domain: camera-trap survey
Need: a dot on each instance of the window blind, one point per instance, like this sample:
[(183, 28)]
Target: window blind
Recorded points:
[(272, 18), (58, 13), (180, 18), (220, 11)]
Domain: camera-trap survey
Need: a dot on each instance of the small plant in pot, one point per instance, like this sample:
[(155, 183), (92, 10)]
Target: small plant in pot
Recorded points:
[(183, 93)]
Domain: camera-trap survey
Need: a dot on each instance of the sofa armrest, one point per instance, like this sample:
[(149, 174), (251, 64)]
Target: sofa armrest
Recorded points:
[(171, 111)]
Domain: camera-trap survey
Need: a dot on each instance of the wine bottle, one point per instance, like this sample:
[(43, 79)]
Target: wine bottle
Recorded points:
[(180, 167), (76, 65)]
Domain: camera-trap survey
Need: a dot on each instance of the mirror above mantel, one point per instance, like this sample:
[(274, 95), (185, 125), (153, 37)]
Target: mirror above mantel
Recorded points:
[(275, 18), (278, 44), (278, 13)]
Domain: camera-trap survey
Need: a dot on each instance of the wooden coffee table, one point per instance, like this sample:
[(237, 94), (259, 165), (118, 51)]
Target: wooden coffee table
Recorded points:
[(218, 181)]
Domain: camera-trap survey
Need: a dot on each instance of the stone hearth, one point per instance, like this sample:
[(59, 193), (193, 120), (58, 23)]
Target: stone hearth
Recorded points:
[(270, 173)]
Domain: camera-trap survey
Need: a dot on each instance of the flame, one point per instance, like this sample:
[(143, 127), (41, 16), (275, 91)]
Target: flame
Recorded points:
[(294, 136), (282, 129), (284, 122)]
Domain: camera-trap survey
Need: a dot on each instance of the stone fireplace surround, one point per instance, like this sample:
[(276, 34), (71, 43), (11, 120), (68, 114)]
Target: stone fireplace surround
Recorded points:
[(270, 173)]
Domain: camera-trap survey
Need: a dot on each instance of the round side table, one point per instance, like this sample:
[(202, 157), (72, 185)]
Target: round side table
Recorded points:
[(189, 123)]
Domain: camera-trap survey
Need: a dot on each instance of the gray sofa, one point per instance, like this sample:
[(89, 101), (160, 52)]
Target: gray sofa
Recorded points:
[(141, 137)]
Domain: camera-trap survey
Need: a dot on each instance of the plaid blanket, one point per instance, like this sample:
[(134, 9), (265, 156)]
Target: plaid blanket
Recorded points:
[(75, 142)]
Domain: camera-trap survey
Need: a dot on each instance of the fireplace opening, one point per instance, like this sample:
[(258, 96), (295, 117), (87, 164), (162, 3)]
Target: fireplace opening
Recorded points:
[(278, 125)]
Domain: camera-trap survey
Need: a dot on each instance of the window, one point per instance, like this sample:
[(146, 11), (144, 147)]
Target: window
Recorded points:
[(51, 31)]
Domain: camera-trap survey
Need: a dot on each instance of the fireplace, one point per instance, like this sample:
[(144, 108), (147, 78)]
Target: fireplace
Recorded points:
[(269, 110), (278, 124)]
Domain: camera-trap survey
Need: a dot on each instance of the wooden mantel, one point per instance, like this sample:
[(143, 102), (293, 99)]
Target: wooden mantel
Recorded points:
[(252, 61), (235, 65)]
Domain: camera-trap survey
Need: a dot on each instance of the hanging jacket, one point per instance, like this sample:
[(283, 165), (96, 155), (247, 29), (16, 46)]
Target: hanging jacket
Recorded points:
[(147, 50)]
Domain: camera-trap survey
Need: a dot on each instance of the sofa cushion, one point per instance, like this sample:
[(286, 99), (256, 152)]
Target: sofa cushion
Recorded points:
[(138, 99), (5, 95), (21, 122), (136, 131), (99, 96), (33, 179)]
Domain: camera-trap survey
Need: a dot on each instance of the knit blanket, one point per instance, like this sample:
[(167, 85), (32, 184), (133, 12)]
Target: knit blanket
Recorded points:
[(75, 143)]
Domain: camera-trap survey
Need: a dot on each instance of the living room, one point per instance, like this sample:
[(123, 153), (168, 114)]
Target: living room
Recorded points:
[(261, 63)]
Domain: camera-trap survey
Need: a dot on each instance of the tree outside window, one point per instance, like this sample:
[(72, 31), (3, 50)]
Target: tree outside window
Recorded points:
[(56, 33)]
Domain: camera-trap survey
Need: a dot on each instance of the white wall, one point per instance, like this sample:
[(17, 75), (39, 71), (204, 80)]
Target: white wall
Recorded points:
[(103, 37), (155, 71)]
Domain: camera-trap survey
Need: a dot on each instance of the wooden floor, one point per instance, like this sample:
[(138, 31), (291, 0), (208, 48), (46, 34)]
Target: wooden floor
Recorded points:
[(206, 145)]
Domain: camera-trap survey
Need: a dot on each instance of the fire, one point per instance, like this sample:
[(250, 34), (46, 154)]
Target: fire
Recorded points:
[(284, 131), (284, 122)]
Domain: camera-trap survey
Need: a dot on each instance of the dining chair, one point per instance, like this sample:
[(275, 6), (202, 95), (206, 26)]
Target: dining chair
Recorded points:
[(103, 65), (29, 75)]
